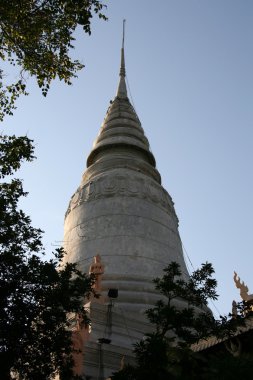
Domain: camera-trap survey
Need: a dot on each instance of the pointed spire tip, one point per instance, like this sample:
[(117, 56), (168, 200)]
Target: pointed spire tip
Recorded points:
[(123, 36), (122, 91)]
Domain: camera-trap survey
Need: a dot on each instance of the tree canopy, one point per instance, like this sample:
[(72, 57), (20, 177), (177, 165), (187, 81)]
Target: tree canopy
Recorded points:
[(36, 296), (167, 352), (37, 36)]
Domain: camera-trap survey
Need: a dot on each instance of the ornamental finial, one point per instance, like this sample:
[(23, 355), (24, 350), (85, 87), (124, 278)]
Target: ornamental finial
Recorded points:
[(244, 290), (122, 91)]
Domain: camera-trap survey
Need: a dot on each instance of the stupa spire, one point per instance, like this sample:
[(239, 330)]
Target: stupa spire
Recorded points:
[(122, 90), (121, 210)]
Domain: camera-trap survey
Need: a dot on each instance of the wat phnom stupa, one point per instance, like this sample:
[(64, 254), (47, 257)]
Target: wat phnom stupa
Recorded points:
[(122, 226)]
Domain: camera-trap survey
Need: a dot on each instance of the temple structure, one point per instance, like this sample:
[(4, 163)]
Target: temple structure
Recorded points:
[(121, 225)]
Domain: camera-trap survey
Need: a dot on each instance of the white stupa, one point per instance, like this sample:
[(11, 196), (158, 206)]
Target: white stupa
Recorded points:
[(120, 224)]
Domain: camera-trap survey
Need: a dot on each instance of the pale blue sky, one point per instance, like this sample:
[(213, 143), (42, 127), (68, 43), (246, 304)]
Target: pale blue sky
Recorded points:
[(190, 70)]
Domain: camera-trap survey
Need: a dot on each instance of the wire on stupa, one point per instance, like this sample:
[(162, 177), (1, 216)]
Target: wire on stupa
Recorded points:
[(188, 257), (128, 88), (125, 323)]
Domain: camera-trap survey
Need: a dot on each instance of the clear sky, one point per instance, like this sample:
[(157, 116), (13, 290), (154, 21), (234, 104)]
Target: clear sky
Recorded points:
[(190, 70)]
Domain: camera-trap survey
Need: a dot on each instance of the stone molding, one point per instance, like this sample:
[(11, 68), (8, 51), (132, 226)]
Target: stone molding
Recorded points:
[(122, 185)]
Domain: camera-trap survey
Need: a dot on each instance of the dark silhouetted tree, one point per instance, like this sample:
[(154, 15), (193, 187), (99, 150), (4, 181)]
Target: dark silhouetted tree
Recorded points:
[(36, 296), (167, 353), (36, 36)]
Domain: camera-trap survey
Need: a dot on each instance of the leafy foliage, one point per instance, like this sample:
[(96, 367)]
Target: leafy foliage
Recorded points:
[(35, 295), (167, 352), (186, 323), (37, 36)]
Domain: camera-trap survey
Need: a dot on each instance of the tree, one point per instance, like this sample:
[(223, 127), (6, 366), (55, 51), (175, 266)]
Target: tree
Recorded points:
[(36, 37), (166, 352), (36, 296)]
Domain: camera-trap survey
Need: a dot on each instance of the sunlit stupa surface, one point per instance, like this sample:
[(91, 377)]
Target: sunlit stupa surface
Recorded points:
[(122, 222)]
